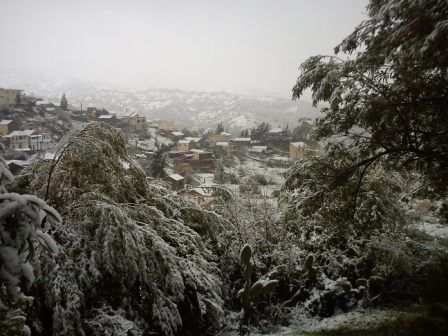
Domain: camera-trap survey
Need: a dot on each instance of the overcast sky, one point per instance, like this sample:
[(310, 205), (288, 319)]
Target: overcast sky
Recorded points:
[(245, 46)]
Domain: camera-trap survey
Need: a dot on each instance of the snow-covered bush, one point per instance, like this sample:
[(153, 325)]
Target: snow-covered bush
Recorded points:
[(132, 255), (359, 205), (24, 222)]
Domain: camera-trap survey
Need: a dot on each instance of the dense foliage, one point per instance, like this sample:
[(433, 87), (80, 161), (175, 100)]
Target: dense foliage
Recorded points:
[(132, 257), (24, 224), (387, 93)]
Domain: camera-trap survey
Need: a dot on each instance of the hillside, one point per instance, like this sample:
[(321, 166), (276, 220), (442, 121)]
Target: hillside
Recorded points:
[(189, 109)]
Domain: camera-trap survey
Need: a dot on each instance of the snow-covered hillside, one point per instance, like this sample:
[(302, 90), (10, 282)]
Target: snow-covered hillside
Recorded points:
[(189, 109)]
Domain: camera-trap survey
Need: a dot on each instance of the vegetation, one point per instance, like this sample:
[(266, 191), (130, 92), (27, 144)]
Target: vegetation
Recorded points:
[(64, 103), (343, 234)]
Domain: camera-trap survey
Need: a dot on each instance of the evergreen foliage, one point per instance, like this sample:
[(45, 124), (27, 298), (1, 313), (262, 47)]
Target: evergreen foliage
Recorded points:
[(24, 224), (128, 246), (219, 128), (387, 94), (64, 103)]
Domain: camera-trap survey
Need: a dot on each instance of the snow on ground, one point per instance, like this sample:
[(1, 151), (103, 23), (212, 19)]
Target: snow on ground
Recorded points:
[(361, 319), (356, 320), (434, 229), (254, 166), (205, 178)]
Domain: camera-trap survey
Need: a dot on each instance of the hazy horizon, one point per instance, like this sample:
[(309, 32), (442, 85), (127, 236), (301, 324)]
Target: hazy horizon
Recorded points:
[(245, 47)]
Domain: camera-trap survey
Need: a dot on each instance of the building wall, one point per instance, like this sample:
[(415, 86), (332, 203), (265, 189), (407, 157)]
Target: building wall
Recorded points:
[(40, 142), (19, 142), (165, 125), (214, 138), (182, 168), (8, 97), (297, 152), (4, 129), (183, 147), (134, 123)]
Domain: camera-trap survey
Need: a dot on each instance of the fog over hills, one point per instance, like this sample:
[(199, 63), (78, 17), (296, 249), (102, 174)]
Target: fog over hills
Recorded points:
[(189, 109)]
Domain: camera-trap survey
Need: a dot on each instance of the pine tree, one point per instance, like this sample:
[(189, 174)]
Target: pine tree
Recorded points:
[(64, 103), (158, 162), (219, 128)]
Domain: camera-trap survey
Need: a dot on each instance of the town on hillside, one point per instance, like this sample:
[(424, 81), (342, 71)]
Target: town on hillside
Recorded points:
[(188, 162)]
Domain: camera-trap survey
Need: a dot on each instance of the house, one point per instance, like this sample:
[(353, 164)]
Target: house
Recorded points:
[(183, 145), (200, 154), (194, 142), (221, 137), (110, 119), (181, 167), (176, 181), (19, 139), (40, 141), (174, 135), (91, 112), (298, 150), (5, 127), (133, 122), (201, 195), (164, 125), (227, 147), (242, 144), (8, 97)]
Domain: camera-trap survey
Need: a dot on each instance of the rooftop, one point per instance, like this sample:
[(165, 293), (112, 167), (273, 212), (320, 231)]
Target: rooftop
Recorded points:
[(5, 122), (176, 177), (193, 139), (207, 192), (20, 133), (299, 144)]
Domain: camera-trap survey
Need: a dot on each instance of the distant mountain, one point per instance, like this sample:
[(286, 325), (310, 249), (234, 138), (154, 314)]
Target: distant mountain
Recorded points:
[(189, 109)]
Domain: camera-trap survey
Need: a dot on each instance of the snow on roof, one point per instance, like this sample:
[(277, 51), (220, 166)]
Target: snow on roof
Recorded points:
[(202, 191), (193, 139), (48, 156), (242, 139), (225, 133), (194, 150), (276, 130), (299, 144), (222, 144), (132, 115), (177, 133), (5, 122), (19, 133), (22, 163), (176, 177), (106, 116), (280, 158), (184, 141), (258, 149)]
